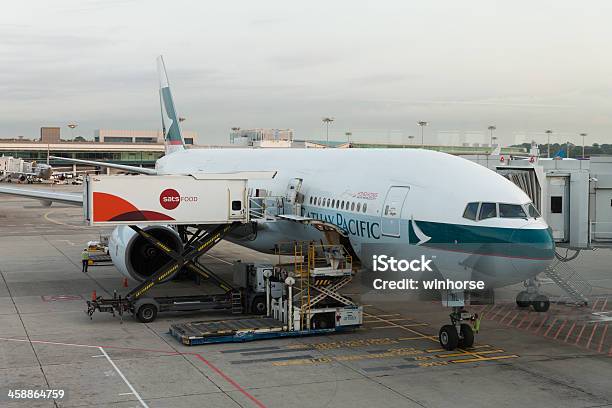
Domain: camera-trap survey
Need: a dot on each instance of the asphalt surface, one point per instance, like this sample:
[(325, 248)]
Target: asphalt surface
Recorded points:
[(520, 358)]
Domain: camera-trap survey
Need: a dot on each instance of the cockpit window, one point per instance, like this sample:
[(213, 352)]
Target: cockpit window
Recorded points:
[(470, 211), (511, 211), (487, 210), (532, 211)]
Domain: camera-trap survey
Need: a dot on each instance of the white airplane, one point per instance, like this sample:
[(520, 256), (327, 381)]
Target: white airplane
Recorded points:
[(15, 168), (405, 203)]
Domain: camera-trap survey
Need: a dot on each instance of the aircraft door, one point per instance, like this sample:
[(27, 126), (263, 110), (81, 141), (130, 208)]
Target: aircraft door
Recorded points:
[(392, 211), (293, 196), (558, 208)]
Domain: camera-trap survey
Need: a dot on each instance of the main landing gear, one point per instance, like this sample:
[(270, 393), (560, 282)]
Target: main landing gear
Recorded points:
[(460, 332), (532, 297)]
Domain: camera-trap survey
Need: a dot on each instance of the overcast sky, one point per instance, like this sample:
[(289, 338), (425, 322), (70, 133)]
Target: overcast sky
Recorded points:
[(377, 67)]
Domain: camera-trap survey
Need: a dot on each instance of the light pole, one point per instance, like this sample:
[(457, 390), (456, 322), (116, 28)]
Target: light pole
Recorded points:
[(348, 136), (548, 133), (567, 149), (327, 121), (410, 137), (491, 129), (583, 136), (72, 126), (422, 124), (493, 138)]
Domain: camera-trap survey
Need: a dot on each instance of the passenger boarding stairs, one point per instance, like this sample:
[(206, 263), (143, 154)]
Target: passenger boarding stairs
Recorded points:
[(576, 288)]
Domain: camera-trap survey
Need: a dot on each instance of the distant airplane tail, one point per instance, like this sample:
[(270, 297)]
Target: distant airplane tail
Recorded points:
[(496, 151), (172, 132)]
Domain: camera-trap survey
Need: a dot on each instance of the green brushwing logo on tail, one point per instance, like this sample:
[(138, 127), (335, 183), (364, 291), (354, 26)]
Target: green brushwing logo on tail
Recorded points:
[(172, 133)]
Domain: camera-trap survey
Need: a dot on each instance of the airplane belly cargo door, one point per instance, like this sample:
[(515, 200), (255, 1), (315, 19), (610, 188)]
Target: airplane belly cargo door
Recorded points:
[(392, 211)]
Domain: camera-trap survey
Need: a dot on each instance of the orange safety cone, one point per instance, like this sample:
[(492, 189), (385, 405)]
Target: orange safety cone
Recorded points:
[(93, 295), (125, 282)]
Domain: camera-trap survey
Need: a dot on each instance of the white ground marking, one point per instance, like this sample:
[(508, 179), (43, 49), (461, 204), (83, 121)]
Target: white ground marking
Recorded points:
[(104, 354), (144, 404)]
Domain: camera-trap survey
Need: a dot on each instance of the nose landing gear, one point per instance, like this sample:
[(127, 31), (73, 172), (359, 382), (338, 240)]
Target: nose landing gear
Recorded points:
[(459, 333)]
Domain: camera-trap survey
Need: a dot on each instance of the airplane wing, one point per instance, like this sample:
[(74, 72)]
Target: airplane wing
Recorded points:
[(45, 196), (124, 167)]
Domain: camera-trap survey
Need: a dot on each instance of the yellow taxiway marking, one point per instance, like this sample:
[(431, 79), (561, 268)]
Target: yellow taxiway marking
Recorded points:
[(404, 327), (345, 344), (394, 327), (441, 349), (418, 355), (469, 354), (415, 338), (51, 220), (403, 352), (475, 360), (401, 319)]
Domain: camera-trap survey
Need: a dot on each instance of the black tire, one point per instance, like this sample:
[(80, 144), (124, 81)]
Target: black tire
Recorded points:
[(147, 313), (258, 306), (467, 336), (541, 304), (522, 299), (322, 321), (448, 337)]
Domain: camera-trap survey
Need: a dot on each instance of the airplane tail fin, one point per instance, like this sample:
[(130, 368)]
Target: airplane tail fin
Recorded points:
[(496, 151), (172, 130)]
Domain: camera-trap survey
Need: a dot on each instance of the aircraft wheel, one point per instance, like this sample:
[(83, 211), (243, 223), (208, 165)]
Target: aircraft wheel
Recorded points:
[(449, 339), (522, 299), (147, 313), (541, 304), (467, 334)]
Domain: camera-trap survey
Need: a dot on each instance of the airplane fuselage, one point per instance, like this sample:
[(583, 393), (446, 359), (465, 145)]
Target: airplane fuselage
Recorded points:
[(399, 202)]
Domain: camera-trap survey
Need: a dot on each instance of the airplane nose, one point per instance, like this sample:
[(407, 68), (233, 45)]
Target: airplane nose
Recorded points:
[(535, 248)]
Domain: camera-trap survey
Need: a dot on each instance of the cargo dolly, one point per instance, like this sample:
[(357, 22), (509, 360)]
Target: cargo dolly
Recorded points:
[(145, 309)]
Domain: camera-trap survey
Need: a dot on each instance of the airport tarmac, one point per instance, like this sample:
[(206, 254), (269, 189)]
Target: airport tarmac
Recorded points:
[(521, 358)]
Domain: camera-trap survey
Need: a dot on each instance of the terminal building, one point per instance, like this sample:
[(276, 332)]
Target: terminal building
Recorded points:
[(132, 147)]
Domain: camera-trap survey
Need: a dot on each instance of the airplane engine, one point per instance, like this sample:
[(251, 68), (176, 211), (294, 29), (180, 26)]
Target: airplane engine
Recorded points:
[(135, 257)]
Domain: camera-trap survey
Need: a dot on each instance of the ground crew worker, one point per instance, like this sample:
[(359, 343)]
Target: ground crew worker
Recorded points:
[(85, 257)]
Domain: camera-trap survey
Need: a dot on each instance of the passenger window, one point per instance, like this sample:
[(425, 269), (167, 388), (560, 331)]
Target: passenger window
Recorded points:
[(556, 204), (511, 211), (333, 203), (338, 204), (470, 211), (352, 206), (358, 207), (487, 210), (236, 205), (319, 203), (328, 201), (365, 205), (310, 200)]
